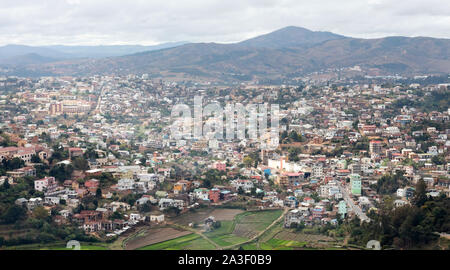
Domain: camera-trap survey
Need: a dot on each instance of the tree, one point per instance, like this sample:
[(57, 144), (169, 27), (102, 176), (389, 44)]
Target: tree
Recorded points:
[(143, 161), (145, 208), (284, 136), (388, 184), (40, 213), (420, 195), (248, 161), (355, 124), (90, 153), (81, 163), (293, 154), (61, 172), (172, 211), (5, 185), (13, 214), (12, 164), (207, 183), (98, 193), (295, 137), (35, 159), (438, 160), (217, 224), (116, 215)]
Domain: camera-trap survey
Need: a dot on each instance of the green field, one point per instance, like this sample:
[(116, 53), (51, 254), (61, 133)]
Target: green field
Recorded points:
[(228, 240), (224, 236), (278, 244), (200, 244), (259, 220), (249, 247), (191, 242), (234, 232)]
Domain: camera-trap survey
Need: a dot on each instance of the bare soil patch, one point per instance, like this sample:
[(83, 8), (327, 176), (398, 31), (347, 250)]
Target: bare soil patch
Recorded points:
[(225, 214)]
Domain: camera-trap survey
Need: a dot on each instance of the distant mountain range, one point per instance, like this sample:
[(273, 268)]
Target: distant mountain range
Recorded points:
[(287, 52), (43, 54)]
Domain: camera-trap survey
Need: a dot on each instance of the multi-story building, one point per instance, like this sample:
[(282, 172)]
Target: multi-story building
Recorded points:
[(47, 184), (375, 147), (355, 184)]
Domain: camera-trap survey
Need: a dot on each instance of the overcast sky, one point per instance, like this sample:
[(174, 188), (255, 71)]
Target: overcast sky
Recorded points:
[(148, 22)]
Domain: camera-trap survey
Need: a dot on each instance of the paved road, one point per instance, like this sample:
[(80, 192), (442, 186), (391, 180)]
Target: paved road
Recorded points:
[(352, 206), (98, 108)]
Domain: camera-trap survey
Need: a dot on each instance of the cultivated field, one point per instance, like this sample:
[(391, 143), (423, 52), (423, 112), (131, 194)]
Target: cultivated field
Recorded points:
[(188, 242), (306, 240), (199, 215), (236, 227), (152, 236), (249, 224), (302, 237), (224, 236)]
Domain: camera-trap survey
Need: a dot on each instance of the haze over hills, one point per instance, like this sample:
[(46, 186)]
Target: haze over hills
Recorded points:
[(287, 52), (53, 53)]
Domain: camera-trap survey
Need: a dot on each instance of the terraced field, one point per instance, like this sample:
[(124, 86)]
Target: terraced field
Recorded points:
[(188, 242), (224, 236), (198, 216), (278, 244), (236, 227), (153, 236), (313, 239)]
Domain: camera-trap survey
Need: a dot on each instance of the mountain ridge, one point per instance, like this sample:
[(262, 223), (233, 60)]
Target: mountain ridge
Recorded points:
[(62, 52), (289, 51)]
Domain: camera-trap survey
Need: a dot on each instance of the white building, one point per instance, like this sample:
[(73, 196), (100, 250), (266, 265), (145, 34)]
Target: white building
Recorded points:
[(157, 218), (125, 184), (48, 184), (136, 217), (317, 171), (165, 203)]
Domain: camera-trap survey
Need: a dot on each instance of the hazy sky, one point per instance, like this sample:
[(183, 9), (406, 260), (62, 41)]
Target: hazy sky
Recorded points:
[(148, 22)]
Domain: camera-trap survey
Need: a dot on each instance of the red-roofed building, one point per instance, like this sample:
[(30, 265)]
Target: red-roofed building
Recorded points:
[(369, 129), (75, 152), (214, 195), (92, 184)]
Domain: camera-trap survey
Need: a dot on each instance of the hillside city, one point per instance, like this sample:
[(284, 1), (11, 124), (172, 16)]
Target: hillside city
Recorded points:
[(92, 159)]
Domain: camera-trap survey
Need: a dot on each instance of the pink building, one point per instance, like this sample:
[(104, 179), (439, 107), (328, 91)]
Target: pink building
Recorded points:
[(220, 166)]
